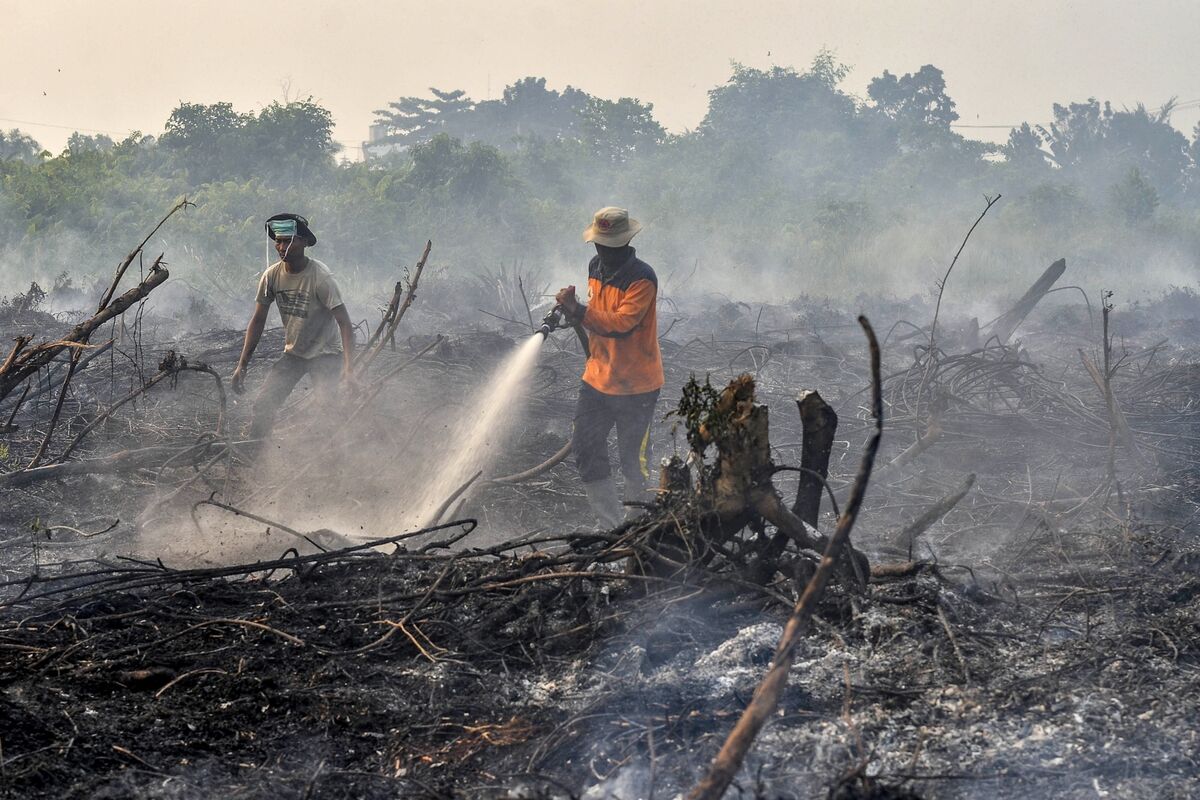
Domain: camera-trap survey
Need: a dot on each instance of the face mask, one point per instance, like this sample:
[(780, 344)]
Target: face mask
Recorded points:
[(612, 257), (283, 227)]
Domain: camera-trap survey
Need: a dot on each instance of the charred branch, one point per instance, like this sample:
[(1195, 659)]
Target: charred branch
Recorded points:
[(394, 313), (30, 361)]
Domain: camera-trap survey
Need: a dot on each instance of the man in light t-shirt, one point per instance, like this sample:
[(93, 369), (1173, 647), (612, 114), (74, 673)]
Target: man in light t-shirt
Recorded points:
[(318, 336)]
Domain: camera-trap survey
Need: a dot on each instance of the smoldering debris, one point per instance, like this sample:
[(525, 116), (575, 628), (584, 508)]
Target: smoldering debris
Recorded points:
[(179, 620), (485, 673)]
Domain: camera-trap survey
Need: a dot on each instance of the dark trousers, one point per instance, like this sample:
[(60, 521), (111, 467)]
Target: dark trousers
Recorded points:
[(282, 377), (595, 415)]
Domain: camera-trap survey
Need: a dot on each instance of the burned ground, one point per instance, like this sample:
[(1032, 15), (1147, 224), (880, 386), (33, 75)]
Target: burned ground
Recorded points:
[(1041, 641)]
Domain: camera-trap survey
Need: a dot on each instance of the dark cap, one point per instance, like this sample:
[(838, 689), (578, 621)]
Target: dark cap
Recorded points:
[(302, 228)]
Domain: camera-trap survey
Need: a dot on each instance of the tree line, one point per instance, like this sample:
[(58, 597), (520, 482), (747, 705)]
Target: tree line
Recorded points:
[(787, 174)]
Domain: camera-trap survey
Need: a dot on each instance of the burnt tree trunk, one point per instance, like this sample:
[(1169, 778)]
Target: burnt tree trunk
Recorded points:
[(743, 448), (820, 423), (1007, 324)]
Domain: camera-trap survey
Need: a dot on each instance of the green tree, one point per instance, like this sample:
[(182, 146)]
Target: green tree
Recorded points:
[(477, 173), (1076, 136), (205, 139), (17, 146), (529, 110), (195, 124), (1145, 140), (199, 128), (1024, 148), (617, 129), (914, 100), (412, 120), (82, 143), (285, 141), (290, 135), (1135, 197), (779, 138), (1099, 146), (773, 106)]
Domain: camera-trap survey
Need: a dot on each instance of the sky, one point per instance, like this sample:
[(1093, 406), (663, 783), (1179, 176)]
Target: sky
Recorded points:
[(121, 65)]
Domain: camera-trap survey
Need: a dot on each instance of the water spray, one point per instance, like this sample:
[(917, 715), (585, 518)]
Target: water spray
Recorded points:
[(481, 430), (474, 438)]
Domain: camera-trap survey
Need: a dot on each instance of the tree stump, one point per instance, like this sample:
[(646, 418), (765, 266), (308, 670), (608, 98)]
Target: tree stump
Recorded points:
[(735, 489), (820, 423)]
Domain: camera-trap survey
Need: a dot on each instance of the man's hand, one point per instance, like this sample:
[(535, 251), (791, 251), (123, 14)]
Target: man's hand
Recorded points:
[(238, 382), (348, 380), (254, 329), (566, 299)]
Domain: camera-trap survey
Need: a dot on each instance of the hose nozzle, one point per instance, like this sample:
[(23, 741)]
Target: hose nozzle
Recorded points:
[(551, 322)]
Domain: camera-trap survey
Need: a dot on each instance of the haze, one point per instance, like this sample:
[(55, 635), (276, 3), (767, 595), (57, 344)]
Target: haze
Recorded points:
[(123, 65)]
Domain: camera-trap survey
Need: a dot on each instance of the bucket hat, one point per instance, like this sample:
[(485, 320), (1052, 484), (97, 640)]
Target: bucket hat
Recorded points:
[(302, 229), (611, 227)]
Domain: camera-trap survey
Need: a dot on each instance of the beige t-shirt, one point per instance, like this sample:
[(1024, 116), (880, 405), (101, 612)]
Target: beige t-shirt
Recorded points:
[(306, 300)]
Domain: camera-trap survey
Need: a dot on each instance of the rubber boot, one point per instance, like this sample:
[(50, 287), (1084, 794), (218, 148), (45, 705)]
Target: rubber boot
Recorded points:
[(602, 497)]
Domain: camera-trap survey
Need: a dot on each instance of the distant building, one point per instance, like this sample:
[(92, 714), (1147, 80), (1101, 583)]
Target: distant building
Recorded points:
[(377, 144)]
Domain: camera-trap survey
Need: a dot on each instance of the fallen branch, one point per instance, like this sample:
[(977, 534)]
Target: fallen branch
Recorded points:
[(170, 366), (147, 575), (904, 569), (34, 359), (51, 385), (932, 433), (330, 536), (117, 462), (19, 344), (457, 493), (533, 472), (905, 539)]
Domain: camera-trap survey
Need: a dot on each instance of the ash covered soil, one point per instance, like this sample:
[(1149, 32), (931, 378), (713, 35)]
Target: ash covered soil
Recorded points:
[(1043, 639)]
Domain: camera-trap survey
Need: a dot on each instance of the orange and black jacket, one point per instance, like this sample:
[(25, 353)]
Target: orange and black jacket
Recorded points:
[(622, 322)]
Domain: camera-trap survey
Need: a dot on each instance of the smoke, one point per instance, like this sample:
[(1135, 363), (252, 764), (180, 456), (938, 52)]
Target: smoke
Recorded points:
[(326, 467)]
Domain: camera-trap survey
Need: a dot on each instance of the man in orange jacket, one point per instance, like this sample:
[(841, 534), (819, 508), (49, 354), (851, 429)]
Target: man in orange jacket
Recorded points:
[(624, 373)]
